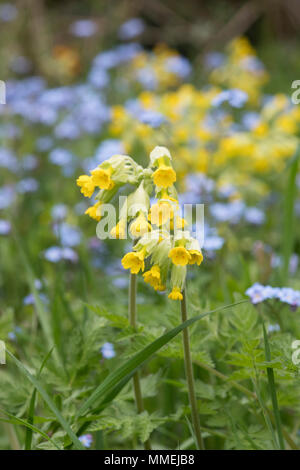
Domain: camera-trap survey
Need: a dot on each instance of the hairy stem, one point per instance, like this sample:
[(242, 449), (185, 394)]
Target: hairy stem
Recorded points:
[(136, 379), (190, 376)]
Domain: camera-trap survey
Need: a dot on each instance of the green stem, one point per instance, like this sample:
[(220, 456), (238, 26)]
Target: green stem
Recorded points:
[(190, 376), (136, 379)]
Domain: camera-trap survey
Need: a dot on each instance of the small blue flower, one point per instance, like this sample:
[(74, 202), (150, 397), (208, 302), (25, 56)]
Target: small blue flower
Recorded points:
[(273, 328), (235, 97), (258, 293), (8, 160), (61, 157), (54, 254), (44, 144), (179, 65), (30, 299), (27, 185), (5, 227), (151, 118), (131, 28), (7, 196), (59, 211), (83, 28), (86, 440), (254, 215), (213, 243), (214, 60), (67, 234), (146, 77), (29, 162), (108, 351), (8, 12)]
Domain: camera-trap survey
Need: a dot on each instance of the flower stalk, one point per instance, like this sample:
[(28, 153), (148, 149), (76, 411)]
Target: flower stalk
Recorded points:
[(190, 375), (133, 323)]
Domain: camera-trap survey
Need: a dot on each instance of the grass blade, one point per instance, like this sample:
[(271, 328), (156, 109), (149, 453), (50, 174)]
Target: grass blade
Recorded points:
[(49, 402), (21, 422)]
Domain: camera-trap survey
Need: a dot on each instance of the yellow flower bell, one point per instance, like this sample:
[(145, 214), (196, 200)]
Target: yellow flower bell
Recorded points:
[(175, 294), (164, 176), (152, 277), (196, 257), (94, 211), (86, 184)]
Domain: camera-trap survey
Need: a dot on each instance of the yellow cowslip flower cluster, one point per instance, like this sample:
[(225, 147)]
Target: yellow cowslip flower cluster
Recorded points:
[(214, 140), (162, 243)]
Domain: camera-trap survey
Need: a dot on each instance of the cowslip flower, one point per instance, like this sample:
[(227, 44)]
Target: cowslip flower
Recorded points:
[(164, 176), (94, 211), (153, 277), (134, 261), (162, 241), (102, 177), (180, 256), (175, 294), (86, 184)]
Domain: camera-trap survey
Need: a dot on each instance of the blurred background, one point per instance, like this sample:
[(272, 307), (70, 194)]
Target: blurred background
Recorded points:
[(59, 39)]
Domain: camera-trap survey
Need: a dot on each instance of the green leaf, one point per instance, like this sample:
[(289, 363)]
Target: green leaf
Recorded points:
[(125, 371), (15, 420)]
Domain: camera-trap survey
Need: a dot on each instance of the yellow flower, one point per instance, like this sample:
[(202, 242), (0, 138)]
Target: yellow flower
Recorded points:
[(94, 211), (86, 184), (161, 212), (152, 277), (164, 176), (196, 257), (179, 256), (140, 226), (102, 178), (119, 230), (134, 261), (175, 294)]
